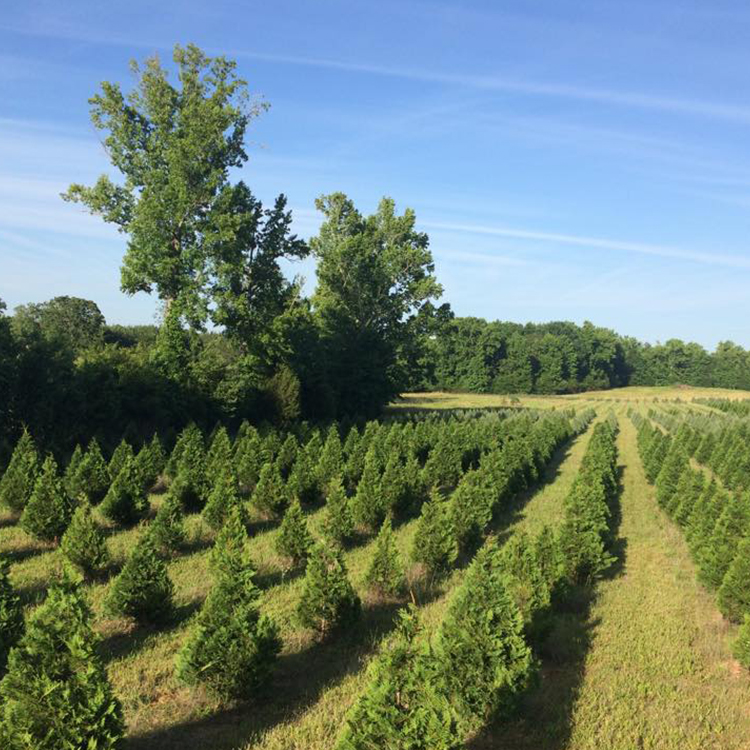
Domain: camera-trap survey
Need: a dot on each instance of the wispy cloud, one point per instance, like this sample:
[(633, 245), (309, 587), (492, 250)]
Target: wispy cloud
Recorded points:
[(596, 243)]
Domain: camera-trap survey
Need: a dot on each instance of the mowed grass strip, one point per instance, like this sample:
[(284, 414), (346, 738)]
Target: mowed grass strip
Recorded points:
[(654, 669)]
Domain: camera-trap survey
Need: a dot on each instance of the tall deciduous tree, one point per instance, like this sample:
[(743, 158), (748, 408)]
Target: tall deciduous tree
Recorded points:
[(375, 280)]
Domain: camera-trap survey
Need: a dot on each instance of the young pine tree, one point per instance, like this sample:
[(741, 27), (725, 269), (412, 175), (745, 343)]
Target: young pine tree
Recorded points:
[(92, 477), (48, 512), (485, 660), (126, 502), (189, 441), (223, 497), (232, 648), (403, 705), (385, 574), (689, 489), (55, 693), (69, 478), (328, 601), (123, 452), (219, 456), (18, 481), (434, 544), (83, 543), (721, 546), (143, 589), (368, 504), (293, 541), (741, 648), (270, 497), (331, 462), (167, 530), (669, 476), (734, 594), (338, 523), (11, 615)]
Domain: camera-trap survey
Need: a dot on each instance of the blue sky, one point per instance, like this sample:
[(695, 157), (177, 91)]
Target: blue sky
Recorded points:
[(569, 160)]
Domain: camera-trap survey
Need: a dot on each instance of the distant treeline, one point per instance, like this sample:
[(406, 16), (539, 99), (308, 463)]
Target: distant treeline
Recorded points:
[(471, 354)]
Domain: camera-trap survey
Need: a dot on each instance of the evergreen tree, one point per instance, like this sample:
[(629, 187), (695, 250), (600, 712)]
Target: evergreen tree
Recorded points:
[(293, 540), (328, 601), (144, 470), (721, 546), (368, 504), (143, 589), (223, 498), (167, 530), (18, 481), (270, 497), (707, 514), (55, 693), (695, 519), (734, 594), (190, 440), (92, 477), (11, 615), (83, 544), (126, 502), (287, 455), (485, 660), (232, 648), (49, 509), (69, 478), (393, 487), (191, 471), (669, 475), (158, 456), (434, 544), (741, 648), (689, 489), (403, 705), (122, 454), (385, 573), (338, 523), (248, 461), (526, 582), (331, 462), (443, 466), (219, 457), (303, 482), (470, 510)]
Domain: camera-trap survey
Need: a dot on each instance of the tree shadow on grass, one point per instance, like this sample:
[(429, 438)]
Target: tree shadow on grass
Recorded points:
[(300, 679), (26, 552), (130, 642)]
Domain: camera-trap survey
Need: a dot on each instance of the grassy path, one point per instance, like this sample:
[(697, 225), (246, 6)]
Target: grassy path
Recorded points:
[(655, 672)]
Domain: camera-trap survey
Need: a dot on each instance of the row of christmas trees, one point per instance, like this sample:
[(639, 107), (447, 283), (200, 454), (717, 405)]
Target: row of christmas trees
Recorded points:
[(716, 522), (232, 646), (433, 691)]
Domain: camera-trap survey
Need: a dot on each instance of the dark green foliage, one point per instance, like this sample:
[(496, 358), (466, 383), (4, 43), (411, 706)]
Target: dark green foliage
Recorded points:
[(158, 456), (403, 705), (270, 497), (224, 496), (470, 510), (303, 481), (368, 504), (219, 456), (693, 527), (393, 487), (385, 573), (17, 482), (485, 661), (689, 489), (11, 615), (434, 544), (669, 476), (328, 601), (190, 470), (190, 441), (123, 452), (49, 509), (338, 523), (70, 472), (293, 540), (526, 579), (248, 460), (143, 589), (721, 546), (167, 530), (187, 491), (55, 694), (331, 462), (92, 477), (734, 594), (443, 467), (548, 557), (287, 455), (126, 502), (703, 522), (232, 648), (741, 648), (653, 460), (83, 544)]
